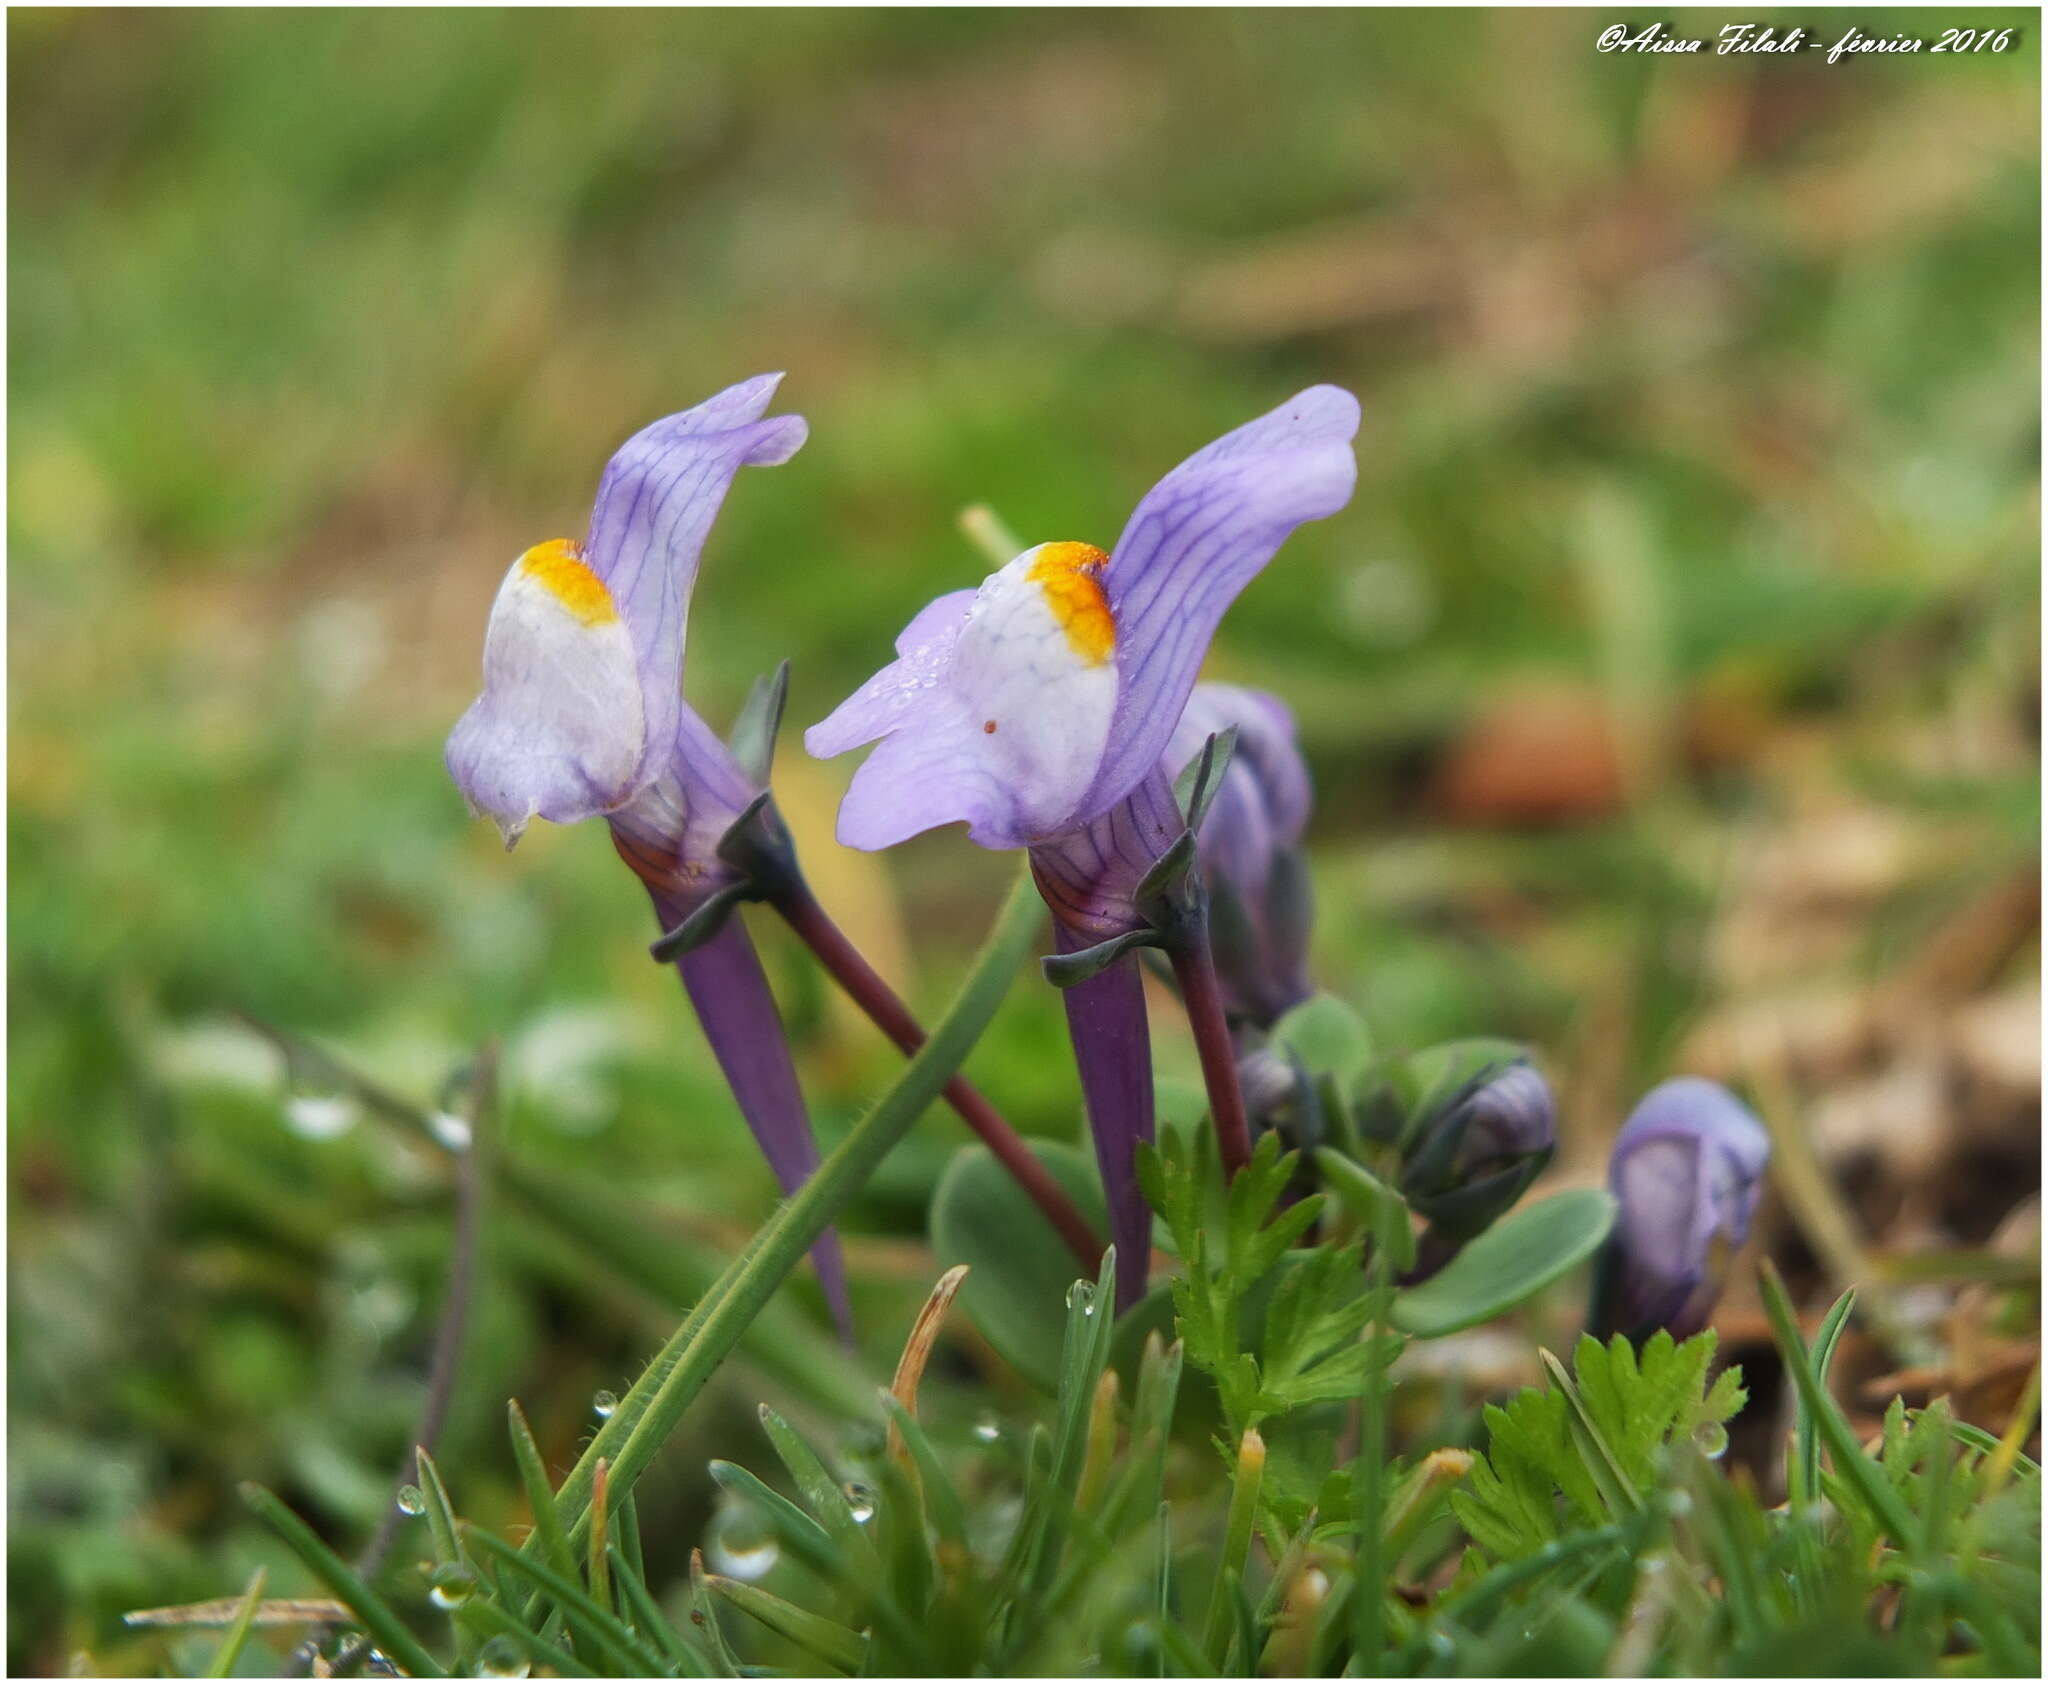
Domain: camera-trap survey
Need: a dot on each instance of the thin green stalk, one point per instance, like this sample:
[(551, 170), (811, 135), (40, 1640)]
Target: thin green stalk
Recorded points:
[(656, 1403), (1854, 1468), (1237, 1543), (224, 1658)]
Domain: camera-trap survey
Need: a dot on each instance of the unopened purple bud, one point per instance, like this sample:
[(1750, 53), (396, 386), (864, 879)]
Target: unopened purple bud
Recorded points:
[(1482, 1149), (1687, 1172)]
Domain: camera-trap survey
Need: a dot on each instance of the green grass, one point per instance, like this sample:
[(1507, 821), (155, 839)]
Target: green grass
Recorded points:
[(1704, 390)]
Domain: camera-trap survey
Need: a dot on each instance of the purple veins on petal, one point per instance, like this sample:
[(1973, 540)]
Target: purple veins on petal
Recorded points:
[(1196, 540), (1035, 704), (583, 653)]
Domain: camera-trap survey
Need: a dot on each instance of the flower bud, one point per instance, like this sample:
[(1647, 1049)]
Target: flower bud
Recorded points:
[(1687, 1172), (1480, 1148), (1249, 848)]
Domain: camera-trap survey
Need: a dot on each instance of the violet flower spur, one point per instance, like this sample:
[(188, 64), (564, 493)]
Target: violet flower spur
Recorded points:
[(1037, 710), (1687, 1171), (1249, 846), (582, 715)]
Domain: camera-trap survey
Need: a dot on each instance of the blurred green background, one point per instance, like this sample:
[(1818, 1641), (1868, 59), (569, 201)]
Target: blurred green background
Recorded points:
[(1671, 684)]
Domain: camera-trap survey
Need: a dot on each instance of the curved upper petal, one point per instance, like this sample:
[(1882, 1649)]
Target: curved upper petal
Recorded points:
[(655, 504), (1198, 538)]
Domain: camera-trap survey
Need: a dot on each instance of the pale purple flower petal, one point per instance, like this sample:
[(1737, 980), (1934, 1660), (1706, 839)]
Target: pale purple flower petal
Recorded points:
[(1687, 1171), (583, 655), (1199, 537), (1037, 705)]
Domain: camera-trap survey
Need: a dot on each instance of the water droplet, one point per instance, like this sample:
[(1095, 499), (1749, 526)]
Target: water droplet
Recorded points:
[(742, 1545), (1711, 1438), (451, 1586), (1082, 1295), (988, 1430), (860, 1500), (319, 1117), (604, 1403), (411, 1501), (451, 1131), (502, 1658)]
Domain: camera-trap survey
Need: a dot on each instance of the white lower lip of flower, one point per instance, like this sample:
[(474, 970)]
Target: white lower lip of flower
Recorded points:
[(561, 682), (1041, 706)]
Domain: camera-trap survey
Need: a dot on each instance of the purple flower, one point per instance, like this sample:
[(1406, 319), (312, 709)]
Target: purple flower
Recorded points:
[(1033, 706), (582, 715), (1687, 1172), (1037, 711), (1249, 847), (582, 706)]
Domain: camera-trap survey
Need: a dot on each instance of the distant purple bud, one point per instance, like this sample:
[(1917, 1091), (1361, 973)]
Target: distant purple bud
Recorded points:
[(1480, 1151), (1687, 1171)]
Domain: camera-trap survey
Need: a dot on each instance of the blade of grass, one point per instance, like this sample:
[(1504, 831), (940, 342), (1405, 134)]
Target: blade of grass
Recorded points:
[(237, 1635), (1851, 1465), (649, 1413), (594, 1624), (1237, 1544), (489, 1621), (681, 1655), (540, 1496), (835, 1645), (379, 1621)]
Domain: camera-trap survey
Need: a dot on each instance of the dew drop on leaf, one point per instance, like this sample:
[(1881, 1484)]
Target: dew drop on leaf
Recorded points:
[(604, 1403), (502, 1658), (411, 1501)]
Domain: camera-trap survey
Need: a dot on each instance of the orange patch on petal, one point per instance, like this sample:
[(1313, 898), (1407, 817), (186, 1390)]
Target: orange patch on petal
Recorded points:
[(558, 566), (1070, 575)]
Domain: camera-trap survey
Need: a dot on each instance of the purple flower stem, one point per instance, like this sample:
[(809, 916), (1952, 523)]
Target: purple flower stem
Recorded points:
[(730, 992), (1195, 971), (849, 968), (1113, 1048)]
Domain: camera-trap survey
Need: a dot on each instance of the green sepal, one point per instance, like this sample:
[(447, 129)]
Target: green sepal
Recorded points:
[(1063, 971), (752, 739)]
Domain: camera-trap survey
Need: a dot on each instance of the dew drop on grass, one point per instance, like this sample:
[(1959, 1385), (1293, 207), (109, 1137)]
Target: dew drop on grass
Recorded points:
[(1711, 1438), (451, 1131), (1081, 1296), (742, 1545), (319, 1117), (502, 1658), (452, 1586), (411, 1501), (860, 1500), (604, 1403), (987, 1430)]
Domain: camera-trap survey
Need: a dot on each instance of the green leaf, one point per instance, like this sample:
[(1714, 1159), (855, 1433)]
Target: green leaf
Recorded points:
[(1019, 1269), (1380, 1208), (1328, 1036), (1513, 1261), (390, 1633), (594, 1625)]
